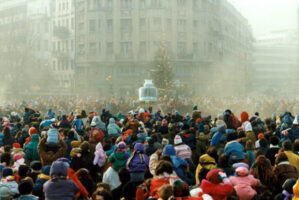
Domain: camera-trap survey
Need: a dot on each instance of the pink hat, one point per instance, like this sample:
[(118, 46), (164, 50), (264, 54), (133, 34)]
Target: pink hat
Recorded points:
[(17, 156), (242, 171)]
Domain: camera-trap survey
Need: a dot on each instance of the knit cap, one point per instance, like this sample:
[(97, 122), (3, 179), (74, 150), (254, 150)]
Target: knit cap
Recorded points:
[(17, 156), (16, 145), (178, 140), (180, 189), (46, 170), (213, 176), (32, 131)]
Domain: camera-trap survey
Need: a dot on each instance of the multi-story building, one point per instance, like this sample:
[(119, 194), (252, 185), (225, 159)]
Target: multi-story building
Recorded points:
[(116, 42), (63, 44), (25, 33), (275, 63)]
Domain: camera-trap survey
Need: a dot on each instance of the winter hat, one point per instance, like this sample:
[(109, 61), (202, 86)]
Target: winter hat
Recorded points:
[(180, 189), (75, 144), (240, 164), (17, 156), (213, 176), (288, 185), (197, 192), (177, 139), (242, 171), (296, 120), (32, 131), (121, 146), (5, 192), (46, 170), (93, 123), (281, 157), (25, 187), (36, 165), (58, 168), (16, 145), (85, 147), (260, 135), (7, 172)]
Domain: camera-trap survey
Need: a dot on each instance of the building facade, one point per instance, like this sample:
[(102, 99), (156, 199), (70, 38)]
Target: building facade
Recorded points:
[(63, 49), (116, 42), (25, 45), (275, 63)]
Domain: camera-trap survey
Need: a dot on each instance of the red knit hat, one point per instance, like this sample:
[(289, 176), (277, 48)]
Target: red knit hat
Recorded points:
[(32, 131), (198, 120), (16, 145), (213, 176)]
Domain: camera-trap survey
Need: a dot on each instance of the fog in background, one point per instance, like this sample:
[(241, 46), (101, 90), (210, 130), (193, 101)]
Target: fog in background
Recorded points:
[(40, 56)]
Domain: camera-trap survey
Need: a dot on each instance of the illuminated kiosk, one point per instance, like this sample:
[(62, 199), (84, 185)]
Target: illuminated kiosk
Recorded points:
[(148, 93)]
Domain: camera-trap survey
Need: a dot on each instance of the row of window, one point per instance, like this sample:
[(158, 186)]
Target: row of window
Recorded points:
[(126, 48), (126, 25), (65, 45), (63, 65)]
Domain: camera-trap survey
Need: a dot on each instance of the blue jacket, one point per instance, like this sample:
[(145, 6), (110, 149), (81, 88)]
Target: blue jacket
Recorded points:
[(139, 161), (219, 136), (234, 150), (177, 162), (113, 129), (78, 124)]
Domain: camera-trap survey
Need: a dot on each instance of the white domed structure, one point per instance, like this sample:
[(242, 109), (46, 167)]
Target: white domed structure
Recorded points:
[(148, 93)]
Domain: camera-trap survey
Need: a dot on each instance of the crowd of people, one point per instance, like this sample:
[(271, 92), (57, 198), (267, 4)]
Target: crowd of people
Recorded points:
[(50, 149)]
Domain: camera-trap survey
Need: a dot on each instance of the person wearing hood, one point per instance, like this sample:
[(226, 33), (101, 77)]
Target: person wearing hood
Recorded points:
[(50, 114), (182, 150), (133, 124), (243, 183), (217, 185), (206, 162), (113, 129), (64, 123), (287, 192), (78, 124), (249, 134), (31, 152), (59, 187), (177, 163), (96, 135), (39, 183), (219, 137), (100, 156), (119, 157), (294, 132), (99, 123), (138, 163), (234, 149), (283, 170)]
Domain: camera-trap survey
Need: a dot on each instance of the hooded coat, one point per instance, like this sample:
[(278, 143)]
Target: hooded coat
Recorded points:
[(118, 160), (177, 162), (207, 162), (113, 129), (139, 161), (100, 156), (99, 123), (31, 152)]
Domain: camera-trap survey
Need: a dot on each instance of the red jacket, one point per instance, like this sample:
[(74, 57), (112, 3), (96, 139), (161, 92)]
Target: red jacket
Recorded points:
[(157, 182), (72, 176), (217, 191)]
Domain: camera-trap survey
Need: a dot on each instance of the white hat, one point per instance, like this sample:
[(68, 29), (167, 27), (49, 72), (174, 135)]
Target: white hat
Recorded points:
[(177, 139), (93, 123), (296, 120), (197, 192)]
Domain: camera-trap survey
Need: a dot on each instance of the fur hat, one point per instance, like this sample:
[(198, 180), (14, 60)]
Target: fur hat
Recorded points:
[(213, 176), (177, 139)]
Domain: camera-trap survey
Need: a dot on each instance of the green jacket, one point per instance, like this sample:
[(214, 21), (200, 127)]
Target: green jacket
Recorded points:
[(118, 160), (30, 150)]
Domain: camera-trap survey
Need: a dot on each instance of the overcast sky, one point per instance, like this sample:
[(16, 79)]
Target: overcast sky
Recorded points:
[(269, 15)]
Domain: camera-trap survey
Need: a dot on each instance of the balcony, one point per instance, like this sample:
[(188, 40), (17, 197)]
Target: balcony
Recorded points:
[(61, 54), (61, 32)]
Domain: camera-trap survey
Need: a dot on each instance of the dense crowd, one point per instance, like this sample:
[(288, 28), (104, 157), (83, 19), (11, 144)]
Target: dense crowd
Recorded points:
[(51, 149)]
